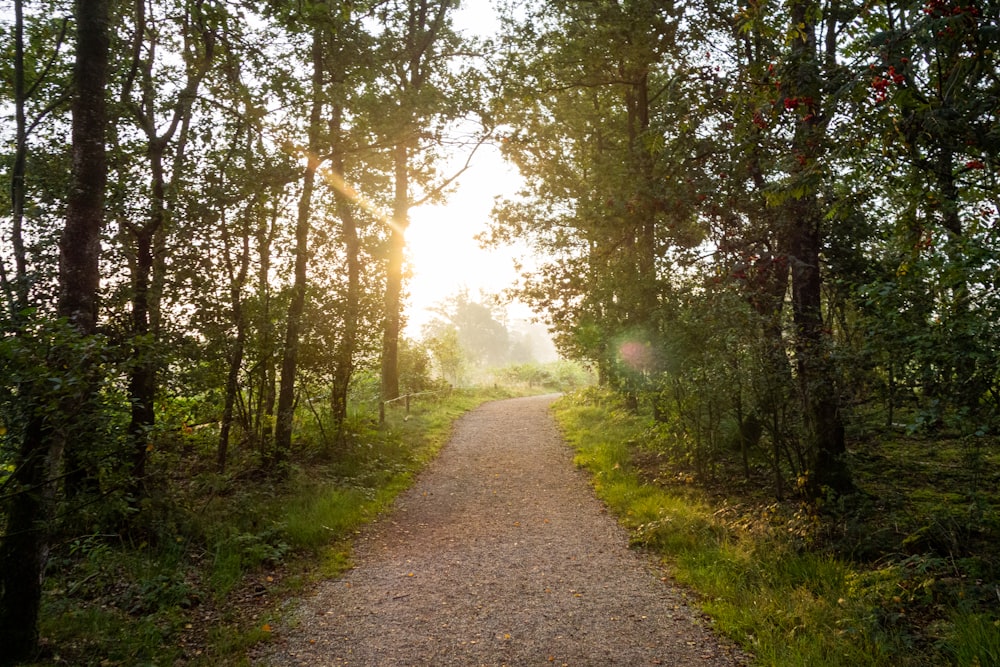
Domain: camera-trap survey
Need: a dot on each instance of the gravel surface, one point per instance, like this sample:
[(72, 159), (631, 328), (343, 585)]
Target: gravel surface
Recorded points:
[(499, 555)]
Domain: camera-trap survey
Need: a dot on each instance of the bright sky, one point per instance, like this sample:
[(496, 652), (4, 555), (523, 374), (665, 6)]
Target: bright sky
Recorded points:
[(444, 256)]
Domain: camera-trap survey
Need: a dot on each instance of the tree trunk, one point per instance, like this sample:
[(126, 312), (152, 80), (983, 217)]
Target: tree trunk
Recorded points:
[(236, 282), (142, 379), (262, 425), (289, 360), (24, 547), (394, 276), (344, 364), (17, 187), (817, 382)]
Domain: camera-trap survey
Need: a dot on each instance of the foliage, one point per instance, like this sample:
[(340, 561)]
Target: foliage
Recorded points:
[(795, 587), (753, 226), (221, 553), (561, 376)]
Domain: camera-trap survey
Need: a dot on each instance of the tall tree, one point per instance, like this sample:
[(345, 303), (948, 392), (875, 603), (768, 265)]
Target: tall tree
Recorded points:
[(426, 89), (140, 96), (313, 160), (25, 88), (24, 547), (344, 362)]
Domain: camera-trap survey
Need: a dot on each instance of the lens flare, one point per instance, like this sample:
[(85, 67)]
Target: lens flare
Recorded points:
[(637, 355)]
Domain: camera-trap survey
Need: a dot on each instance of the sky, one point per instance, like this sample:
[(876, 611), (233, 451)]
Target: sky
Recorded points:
[(445, 258), (444, 255)]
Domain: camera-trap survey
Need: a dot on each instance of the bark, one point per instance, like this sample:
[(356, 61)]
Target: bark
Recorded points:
[(344, 363), (17, 187), (237, 279), (24, 547), (289, 360), (150, 238), (263, 407), (394, 276), (142, 381), (817, 382)]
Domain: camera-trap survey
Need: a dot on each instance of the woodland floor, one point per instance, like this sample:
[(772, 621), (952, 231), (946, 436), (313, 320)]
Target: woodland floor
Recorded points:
[(499, 555)]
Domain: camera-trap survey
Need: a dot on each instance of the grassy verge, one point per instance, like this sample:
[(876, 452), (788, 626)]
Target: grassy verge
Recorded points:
[(203, 578), (775, 577)]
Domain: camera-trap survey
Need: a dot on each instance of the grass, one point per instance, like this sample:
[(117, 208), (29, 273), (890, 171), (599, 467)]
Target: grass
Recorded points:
[(216, 554), (798, 588)]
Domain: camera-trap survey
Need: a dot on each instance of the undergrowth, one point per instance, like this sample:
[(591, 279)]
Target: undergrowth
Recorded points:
[(201, 573), (904, 574)]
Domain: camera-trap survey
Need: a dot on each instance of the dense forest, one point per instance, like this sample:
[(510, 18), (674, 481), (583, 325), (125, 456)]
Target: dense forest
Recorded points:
[(772, 227)]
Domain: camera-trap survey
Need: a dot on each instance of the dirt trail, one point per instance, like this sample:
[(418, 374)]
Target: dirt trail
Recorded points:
[(498, 555)]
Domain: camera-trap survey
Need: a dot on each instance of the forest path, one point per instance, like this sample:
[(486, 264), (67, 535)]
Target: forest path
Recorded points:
[(498, 555)]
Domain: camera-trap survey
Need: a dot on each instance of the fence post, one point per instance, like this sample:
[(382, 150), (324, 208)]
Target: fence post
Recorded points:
[(381, 412), (407, 404)]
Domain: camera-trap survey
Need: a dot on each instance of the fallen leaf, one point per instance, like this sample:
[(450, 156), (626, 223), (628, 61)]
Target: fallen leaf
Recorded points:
[(266, 627)]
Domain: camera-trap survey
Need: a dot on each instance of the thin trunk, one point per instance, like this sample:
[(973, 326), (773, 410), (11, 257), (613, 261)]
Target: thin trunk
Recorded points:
[(267, 395), (779, 480), (236, 282), (394, 275), (289, 360), (142, 381), (344, 365), (17, 191)]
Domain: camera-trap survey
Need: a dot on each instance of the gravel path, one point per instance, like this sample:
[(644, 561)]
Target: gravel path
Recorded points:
[(498, 555)]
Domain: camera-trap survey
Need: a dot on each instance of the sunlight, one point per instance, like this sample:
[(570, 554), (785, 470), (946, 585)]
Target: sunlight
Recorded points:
[(443, 253)]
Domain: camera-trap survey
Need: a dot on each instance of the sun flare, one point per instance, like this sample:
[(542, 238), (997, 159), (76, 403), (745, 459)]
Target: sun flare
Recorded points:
[(443, 253)]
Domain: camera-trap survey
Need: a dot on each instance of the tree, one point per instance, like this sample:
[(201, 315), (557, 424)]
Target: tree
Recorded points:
[(484, 341), (313, 150), (25, 543), (425, 90), (162, 126), (811, 73), (930, 83), (441, 339)]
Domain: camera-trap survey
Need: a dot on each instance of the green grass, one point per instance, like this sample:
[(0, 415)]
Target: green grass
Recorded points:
[(230, 548), (758, 569)]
